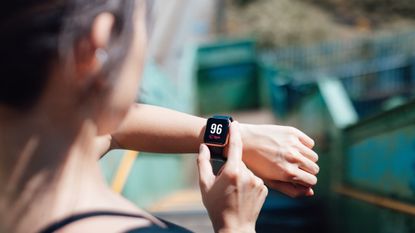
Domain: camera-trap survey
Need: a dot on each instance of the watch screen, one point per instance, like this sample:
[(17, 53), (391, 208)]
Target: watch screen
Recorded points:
[(216, 131)]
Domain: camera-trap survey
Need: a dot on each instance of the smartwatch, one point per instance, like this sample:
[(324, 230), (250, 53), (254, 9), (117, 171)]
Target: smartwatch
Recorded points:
[(216, 137)]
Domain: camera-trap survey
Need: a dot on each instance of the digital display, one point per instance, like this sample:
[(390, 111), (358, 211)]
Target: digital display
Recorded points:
[(216, 131)]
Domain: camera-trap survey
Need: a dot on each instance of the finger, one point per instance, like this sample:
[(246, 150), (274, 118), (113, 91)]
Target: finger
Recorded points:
[(306, 140), (103, 145), (304, 178), (290, 189), (257, 181), (235, 145), (259, 185), (263, 194), (264, 191), (306, 164), (307, 152), (206, 176)]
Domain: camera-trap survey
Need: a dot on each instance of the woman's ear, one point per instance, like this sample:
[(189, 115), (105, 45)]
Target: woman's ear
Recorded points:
[(91, 53), (101, 30), (100, 37)]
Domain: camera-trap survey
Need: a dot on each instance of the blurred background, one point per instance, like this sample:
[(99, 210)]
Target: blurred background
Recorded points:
[(343, 71)]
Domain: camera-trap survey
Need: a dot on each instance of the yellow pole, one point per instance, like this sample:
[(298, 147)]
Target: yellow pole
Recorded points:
[(123, 171), (374, 199)]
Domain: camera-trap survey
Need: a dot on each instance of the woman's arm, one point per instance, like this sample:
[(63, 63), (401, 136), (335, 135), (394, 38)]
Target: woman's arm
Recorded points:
[(159, 130), (280, 155)]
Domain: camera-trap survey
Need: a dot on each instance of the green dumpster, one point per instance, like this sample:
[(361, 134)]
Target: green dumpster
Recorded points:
[(227, 76)]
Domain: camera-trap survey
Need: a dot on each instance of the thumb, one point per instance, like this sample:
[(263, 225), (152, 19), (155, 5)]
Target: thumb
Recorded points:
[(206, 176), (235, 145)]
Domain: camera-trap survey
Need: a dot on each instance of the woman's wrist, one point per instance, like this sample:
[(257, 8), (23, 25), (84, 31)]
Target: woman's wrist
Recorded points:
[(247, 132), (237, 230), (231, 224)]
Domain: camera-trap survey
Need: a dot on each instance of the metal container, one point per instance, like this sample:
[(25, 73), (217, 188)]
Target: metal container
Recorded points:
[(376, 174), (227, 76)]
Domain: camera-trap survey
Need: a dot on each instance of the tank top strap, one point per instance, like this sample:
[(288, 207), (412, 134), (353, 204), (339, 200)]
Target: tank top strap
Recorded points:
[(78, 217)]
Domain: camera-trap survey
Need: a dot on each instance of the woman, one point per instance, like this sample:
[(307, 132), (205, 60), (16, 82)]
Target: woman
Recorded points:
[(68, 76)]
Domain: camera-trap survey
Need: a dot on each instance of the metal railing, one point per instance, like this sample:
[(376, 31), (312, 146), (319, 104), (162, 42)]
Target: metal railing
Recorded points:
[(371, 69)]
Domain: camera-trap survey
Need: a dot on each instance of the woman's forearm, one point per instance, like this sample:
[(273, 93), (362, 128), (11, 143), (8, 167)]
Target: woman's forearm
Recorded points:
[(280, 155), (160, 130)]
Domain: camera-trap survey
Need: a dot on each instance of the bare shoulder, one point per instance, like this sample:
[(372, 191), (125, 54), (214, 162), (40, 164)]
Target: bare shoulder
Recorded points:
[(107, 224)]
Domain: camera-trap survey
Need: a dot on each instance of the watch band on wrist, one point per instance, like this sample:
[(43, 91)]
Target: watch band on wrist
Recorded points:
[(217, 160), (217, 165), (216, 152), (224, 118)]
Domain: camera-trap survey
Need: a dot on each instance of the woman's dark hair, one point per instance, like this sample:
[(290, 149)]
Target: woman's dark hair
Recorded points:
[(36, 33)]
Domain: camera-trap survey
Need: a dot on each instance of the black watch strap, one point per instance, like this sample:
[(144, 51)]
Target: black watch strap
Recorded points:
[(217, 160), (224, 117), (216, 152)]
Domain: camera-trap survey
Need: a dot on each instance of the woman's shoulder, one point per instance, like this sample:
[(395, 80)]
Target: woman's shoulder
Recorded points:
[(109, 222), (105, 224), (168, 228)]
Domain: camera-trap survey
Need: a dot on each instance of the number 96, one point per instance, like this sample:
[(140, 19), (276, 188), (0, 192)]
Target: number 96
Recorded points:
[(216, 129)]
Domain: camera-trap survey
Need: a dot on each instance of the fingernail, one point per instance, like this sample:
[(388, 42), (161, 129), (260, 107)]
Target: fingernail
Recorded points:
[(311, 193), (235, 124), (202, 147), (316, 169)]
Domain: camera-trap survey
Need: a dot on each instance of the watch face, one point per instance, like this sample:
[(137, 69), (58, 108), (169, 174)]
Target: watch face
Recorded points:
[(216, 131)]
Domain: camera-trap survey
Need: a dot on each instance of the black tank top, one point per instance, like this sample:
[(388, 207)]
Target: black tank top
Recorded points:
[(171, 227)]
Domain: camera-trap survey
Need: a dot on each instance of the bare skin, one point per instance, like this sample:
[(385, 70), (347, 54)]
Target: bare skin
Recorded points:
[(72, 192), (280, 155)]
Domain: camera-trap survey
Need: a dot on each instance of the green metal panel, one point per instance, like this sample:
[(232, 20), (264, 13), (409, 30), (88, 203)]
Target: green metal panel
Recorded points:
[(267, 74), (378, 160), (384, 163), (226, 53), (375, 156), (229, 94), (274, 89), (380, 154), (227, 76)]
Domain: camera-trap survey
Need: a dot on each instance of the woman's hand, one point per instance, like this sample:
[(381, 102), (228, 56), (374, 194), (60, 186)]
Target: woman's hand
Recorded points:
[(235, 197), (282, 156), (102, 145)]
